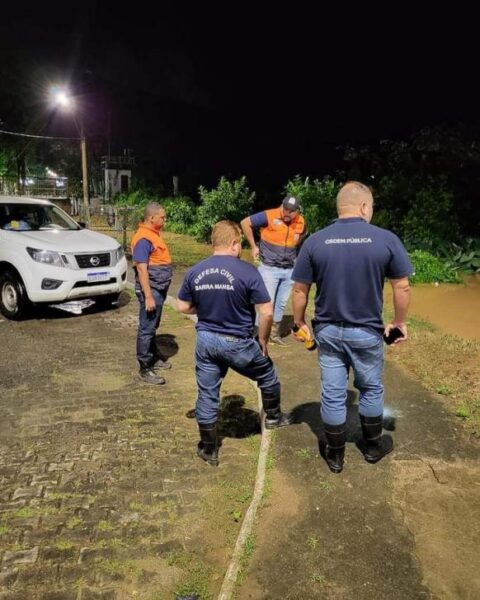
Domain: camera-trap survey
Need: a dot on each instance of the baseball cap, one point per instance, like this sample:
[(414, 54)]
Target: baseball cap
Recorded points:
[(291, 203)]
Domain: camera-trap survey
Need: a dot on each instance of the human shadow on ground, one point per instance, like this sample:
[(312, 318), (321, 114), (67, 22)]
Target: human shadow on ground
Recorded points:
[(166, 344), (286, 326), (309, 413), (234, 420)]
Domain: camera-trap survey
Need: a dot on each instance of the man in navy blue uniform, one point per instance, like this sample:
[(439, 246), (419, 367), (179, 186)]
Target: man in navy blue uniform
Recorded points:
[(349, 261), (225, 292)]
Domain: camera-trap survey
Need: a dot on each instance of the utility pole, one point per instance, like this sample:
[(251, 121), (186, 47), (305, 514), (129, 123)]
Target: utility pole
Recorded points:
[(86, 201)]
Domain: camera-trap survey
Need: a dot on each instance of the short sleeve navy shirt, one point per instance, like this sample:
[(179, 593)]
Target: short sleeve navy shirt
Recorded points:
[(224, 290), (349, 261), (141, 252), (259, 219)]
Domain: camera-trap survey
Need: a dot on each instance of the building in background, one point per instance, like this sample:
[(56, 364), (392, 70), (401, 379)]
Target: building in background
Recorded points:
[(118, 174)]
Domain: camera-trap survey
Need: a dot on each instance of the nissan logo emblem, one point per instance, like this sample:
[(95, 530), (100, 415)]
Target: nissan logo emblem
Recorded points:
[(94, 261)]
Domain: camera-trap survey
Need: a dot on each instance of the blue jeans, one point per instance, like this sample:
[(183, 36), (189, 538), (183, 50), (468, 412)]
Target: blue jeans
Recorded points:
[(279, 285), (339, 348), (148, 323), (214, 355)]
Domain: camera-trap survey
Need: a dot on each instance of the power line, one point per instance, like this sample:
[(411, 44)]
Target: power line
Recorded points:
[(40, 137)]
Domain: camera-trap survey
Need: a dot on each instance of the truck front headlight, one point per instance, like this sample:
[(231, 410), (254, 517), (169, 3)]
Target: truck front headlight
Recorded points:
[(47, 257), (119, 254)]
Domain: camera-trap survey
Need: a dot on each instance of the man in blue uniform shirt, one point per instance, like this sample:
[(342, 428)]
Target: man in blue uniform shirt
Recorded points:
[(224, 292), (349, 261)]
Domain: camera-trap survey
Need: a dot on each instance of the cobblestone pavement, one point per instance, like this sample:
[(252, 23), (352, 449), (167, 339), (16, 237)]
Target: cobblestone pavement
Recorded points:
[(101, 494)]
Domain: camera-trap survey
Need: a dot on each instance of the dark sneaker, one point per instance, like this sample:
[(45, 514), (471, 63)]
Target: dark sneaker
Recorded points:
[(161, 364), (210, 458), (149, 376), (280, 420)]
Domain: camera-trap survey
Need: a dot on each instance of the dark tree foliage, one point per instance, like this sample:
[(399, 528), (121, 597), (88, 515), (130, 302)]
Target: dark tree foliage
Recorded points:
[(427, 187)]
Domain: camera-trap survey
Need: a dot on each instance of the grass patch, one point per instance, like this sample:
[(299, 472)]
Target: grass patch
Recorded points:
[(312, 542), (26, 512), (444, 364), (304, 453), (119, 569), (71, 496), (326, 486), (317, 578), (62, 544), (248, 550), (138, 507), (4, 529), (236, 491), (114, 544), (73, 522), (463, 412), (185, 250), (195, 578), (104, 525)]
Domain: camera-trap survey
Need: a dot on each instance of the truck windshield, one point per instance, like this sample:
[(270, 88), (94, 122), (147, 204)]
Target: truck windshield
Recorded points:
[(34, 217)]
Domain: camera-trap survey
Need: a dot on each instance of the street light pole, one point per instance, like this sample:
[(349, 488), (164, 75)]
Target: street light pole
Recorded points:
[(86, 200), (62, 98)]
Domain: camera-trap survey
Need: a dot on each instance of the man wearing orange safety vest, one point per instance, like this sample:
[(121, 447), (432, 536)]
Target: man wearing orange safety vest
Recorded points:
[(281, 231), (153, 275)]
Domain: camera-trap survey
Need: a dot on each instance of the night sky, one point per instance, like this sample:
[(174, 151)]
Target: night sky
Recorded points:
[(205, 90)]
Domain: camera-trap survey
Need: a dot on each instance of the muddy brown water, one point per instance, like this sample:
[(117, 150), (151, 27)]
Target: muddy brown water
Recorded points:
[(453, 308)]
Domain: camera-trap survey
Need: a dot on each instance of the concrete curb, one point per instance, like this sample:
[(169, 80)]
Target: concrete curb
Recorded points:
[(231, 575)]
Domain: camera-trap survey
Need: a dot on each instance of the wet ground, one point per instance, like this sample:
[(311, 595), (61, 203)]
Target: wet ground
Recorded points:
[(406, 528), (102, 497), (453, 308), (101, 494)]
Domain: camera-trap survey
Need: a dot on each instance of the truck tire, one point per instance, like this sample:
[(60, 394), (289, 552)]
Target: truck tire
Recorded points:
[(14, 303)]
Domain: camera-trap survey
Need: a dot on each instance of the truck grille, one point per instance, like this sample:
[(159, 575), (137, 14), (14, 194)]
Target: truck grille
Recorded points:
[(91, 261)]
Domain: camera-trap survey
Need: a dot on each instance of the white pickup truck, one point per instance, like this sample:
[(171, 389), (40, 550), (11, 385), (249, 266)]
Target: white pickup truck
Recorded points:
[(47, 257)]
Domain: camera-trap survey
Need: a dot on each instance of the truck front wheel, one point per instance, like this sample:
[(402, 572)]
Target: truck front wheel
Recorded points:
[(14, 303)]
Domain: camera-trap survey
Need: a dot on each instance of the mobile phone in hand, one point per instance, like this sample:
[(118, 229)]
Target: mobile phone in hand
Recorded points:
[(394, 334)]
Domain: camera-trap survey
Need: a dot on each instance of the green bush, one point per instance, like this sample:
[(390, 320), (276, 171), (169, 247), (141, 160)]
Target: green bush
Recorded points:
[(229, 200), (430, 269), (181, 213), (318, 199), (464, 258), (430, 220), (133, 204), (137, 198)]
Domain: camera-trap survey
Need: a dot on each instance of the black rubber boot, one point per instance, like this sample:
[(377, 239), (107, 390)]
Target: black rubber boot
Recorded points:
[(334, 450), (274, 417), (208, 447), (375, 445)]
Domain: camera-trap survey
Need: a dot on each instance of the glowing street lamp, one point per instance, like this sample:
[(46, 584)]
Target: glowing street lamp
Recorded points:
[(61, 98)]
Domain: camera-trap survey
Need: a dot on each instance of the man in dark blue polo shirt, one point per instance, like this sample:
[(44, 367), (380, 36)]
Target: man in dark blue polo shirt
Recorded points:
[(225, 292), (349, 261)]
